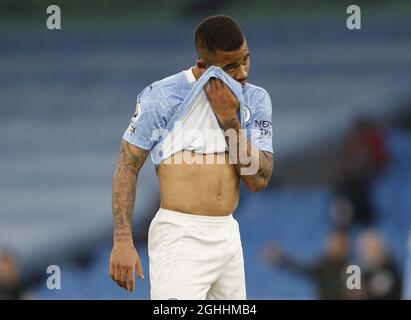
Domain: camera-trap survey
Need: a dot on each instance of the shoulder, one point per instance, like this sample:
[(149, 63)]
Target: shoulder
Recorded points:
[(256, 95), (166, 92)]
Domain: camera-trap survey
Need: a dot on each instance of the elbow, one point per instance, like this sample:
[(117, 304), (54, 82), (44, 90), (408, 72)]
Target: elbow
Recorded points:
[(257, 188), (257, 185), (261, 179)]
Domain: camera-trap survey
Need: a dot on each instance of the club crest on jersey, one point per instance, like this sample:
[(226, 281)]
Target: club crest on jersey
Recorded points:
[(246, 114)]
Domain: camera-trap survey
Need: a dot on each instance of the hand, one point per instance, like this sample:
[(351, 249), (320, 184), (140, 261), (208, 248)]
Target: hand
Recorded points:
[(222, 100), (124, 262)]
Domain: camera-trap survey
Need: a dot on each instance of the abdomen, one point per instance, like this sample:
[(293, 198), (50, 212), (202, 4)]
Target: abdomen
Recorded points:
[(186, 185)]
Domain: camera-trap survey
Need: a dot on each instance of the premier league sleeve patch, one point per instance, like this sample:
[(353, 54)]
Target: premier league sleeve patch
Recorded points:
[(137, 113)]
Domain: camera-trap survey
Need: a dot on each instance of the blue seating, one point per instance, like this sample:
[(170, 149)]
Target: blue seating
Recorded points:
[(296, 218)]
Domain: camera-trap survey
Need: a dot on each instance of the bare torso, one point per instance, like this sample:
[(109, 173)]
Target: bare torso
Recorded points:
[(202, 189)]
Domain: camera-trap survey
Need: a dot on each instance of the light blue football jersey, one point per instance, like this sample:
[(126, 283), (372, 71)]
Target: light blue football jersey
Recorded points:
[(163, 103)]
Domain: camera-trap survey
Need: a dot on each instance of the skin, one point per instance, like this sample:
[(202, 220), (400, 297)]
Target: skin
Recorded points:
[(8, 270), (201, 189)]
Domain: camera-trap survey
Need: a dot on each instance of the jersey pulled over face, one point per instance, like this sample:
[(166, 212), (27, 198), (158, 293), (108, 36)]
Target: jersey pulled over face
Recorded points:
[(158, 115)]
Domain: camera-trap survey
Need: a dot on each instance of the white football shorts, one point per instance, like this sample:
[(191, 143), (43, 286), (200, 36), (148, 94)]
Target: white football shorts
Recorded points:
[(194, 257)]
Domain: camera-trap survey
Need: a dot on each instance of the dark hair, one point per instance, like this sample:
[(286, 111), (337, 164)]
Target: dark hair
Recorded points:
[(218, 33)]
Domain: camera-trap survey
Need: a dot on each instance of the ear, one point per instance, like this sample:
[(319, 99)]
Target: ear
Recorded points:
[(201, 65)]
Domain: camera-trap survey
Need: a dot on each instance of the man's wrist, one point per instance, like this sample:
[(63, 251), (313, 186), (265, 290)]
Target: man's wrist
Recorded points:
[(123, 241), (123, 236)]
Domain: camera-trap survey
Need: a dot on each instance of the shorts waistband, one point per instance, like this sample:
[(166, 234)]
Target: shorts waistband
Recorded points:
[(193, 217)]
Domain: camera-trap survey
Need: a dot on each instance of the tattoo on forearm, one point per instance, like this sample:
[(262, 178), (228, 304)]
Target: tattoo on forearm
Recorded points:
[(265, 159), (266, 166), (122, 236), (122, 239), (124, 189)]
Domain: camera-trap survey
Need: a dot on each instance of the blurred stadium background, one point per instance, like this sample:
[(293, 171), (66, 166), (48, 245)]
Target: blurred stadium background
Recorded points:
[(66, 97)]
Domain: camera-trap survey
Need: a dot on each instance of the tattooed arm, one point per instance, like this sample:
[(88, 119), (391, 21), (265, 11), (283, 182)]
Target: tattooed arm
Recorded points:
[(253, 166), (124, 258), (256, 170)]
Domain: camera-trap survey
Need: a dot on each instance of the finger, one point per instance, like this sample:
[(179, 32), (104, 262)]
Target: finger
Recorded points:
[(123, 277), (213, 84), (227, 88), (127, 279), (117, 273), (131, 278), (123, 274), (119, 283), (112, 271), (139, 269), (220, 84), (207, 90)]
